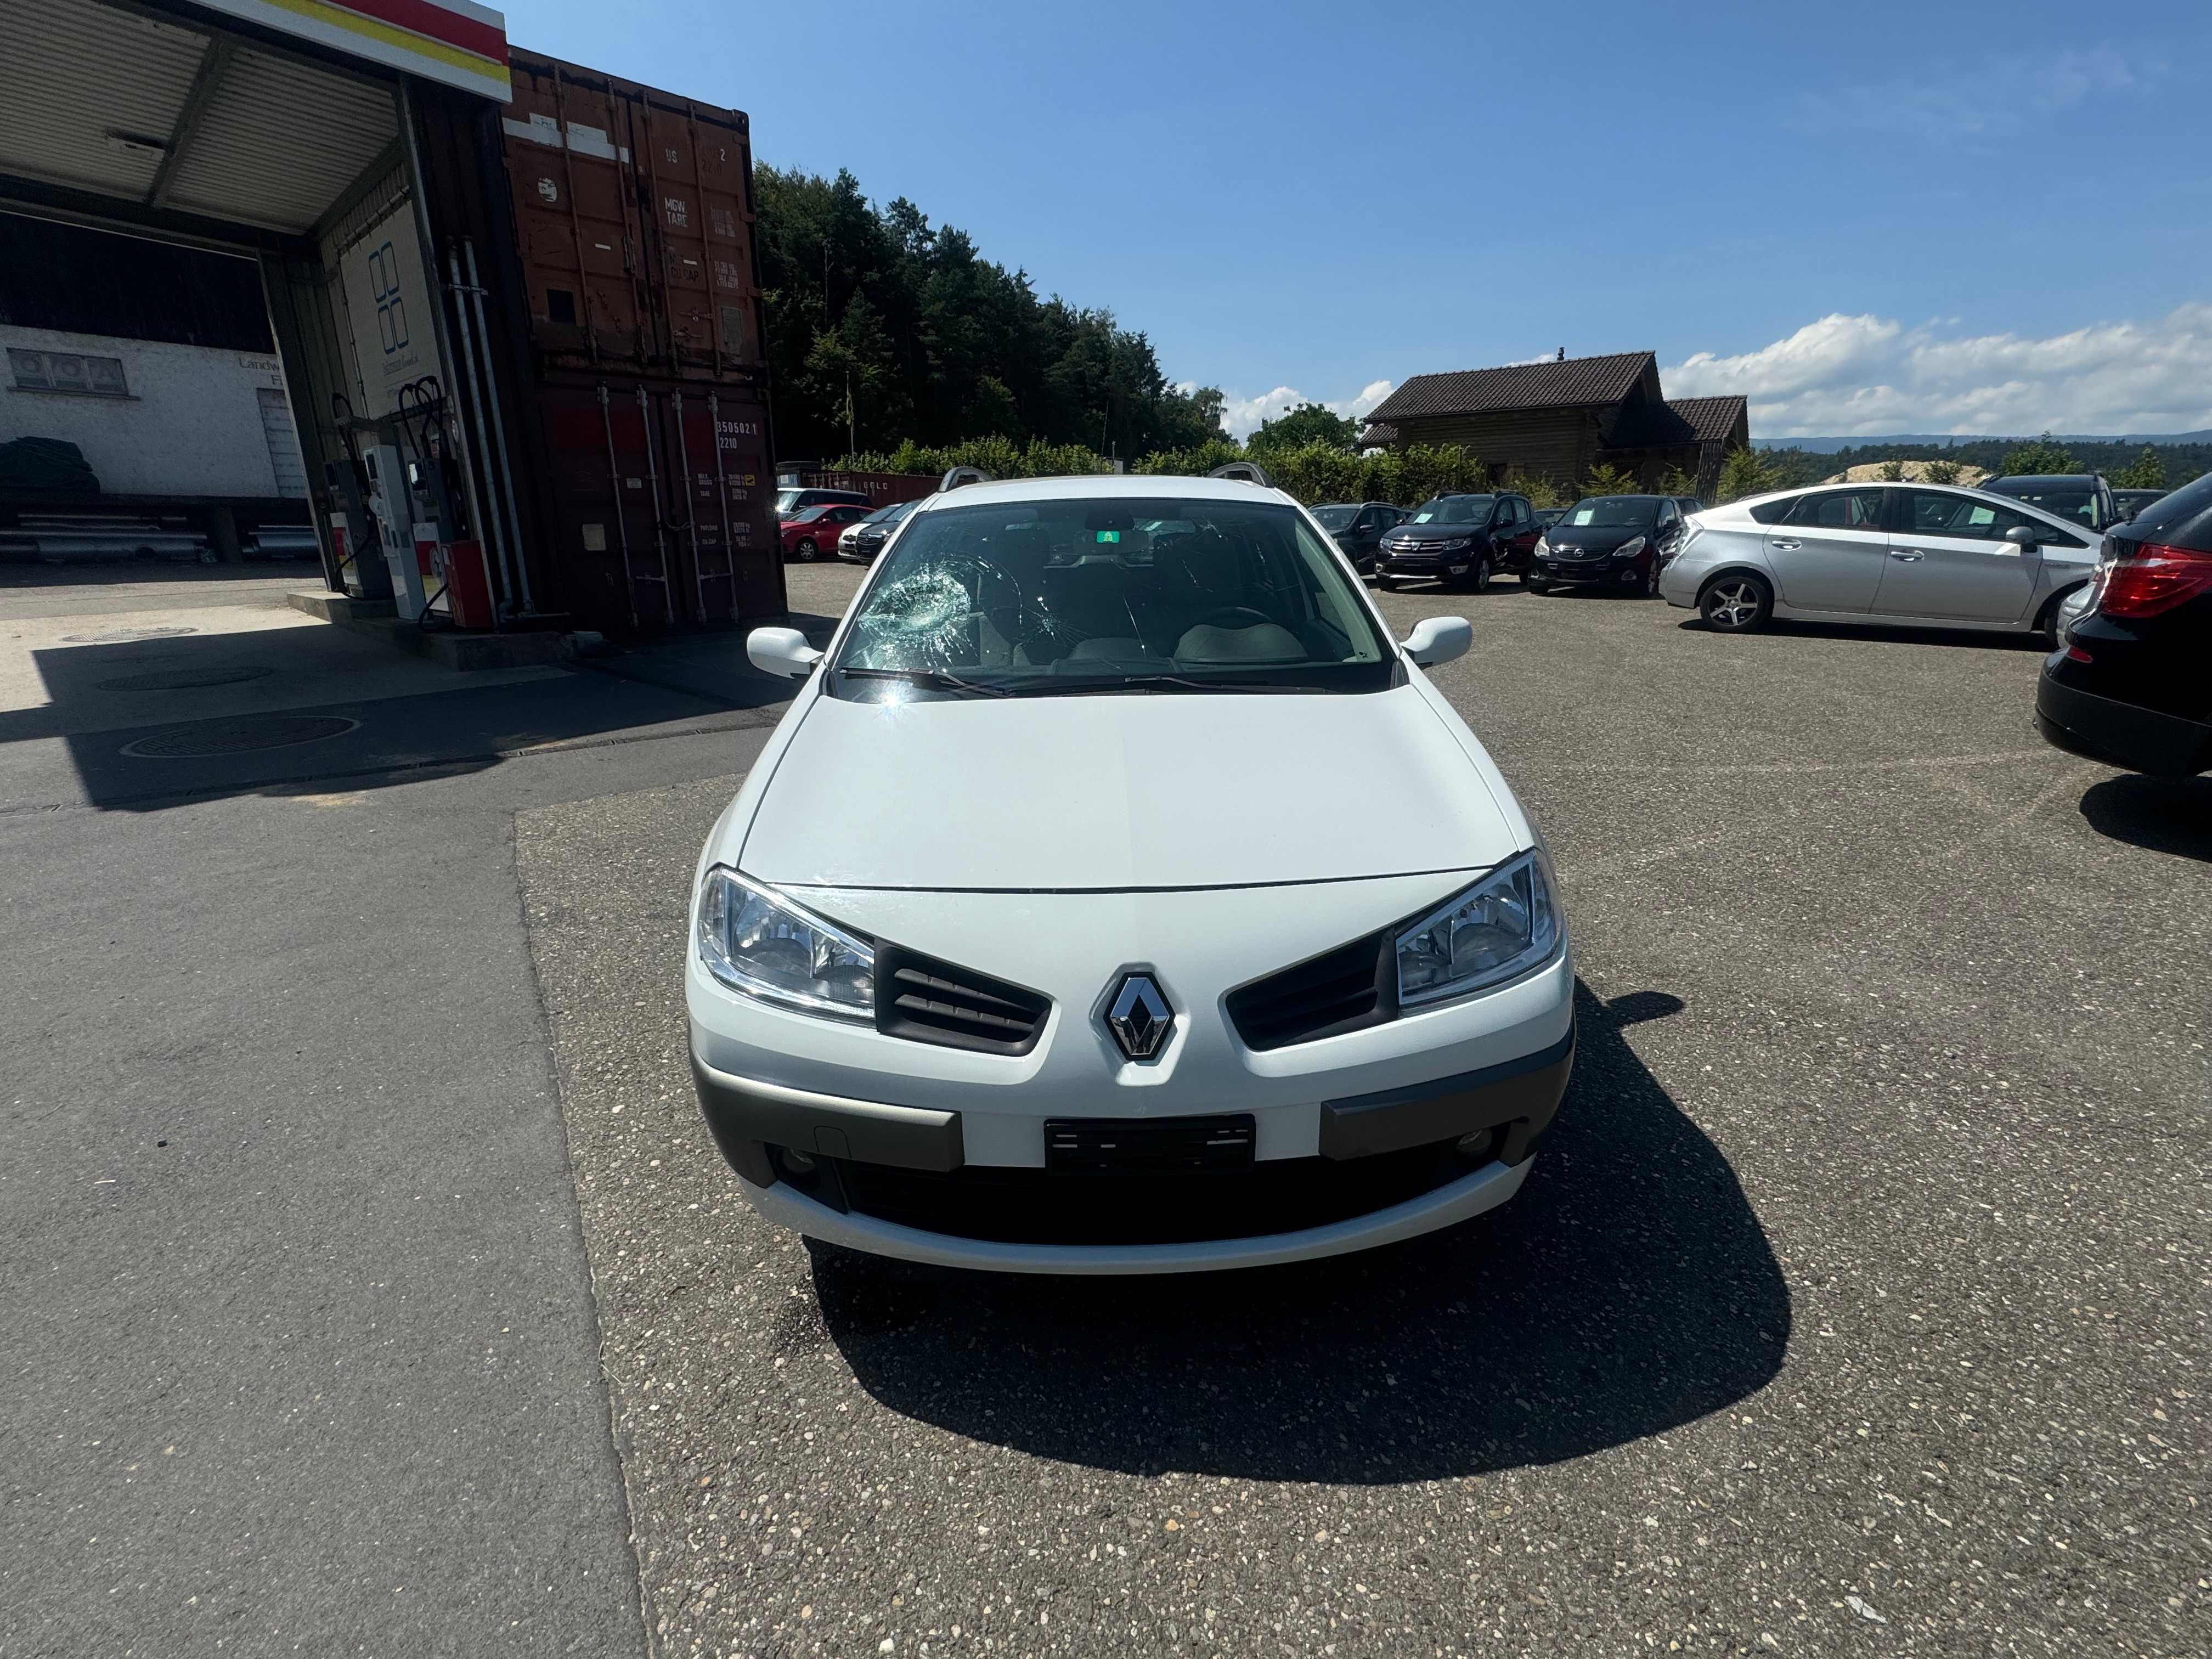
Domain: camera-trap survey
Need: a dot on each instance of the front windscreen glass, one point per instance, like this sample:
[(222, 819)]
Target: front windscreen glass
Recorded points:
[(1107, 593), (1335, 520), (785, 500), (1614, 513), (1454, 509)]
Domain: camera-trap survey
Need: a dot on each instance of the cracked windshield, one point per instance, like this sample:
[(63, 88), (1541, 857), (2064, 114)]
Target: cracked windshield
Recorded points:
[(1113, 593)]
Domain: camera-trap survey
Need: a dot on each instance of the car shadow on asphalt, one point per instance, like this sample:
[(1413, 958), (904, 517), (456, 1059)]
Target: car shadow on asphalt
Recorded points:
[(1627, 1290), (1975, 638), (2161, 815)]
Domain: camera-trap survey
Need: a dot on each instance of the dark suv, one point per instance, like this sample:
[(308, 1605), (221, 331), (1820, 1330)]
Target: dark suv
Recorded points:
[(2083, 497), (2131, 684), (1358, 528), (1460, 540)]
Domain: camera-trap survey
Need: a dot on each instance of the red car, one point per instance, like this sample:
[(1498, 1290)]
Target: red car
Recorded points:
[(811, 533)]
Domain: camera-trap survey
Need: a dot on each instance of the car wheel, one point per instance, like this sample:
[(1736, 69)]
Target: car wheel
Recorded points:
[(806, 550), (2047, 625), (1651, 581), (1738, 603), (1478, 578)]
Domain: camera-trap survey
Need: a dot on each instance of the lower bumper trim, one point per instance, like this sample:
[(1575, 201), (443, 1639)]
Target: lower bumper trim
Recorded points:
[(1522, 1095), (748, 1116)]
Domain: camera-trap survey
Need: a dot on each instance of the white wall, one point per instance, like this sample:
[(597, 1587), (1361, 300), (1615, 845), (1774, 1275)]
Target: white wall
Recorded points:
[(191, 425)]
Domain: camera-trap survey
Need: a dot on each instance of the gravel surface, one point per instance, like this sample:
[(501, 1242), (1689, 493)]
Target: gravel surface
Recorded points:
[(1857, 1303)]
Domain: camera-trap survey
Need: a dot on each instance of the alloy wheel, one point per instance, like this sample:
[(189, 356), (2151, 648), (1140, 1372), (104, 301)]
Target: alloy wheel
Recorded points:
[(1734, 604)]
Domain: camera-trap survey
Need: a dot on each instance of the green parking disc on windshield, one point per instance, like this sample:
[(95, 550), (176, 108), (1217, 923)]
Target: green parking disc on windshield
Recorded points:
[(1109, 535)]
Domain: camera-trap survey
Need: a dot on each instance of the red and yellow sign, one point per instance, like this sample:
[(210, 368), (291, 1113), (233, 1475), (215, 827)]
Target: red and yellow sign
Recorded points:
[(455, 41)]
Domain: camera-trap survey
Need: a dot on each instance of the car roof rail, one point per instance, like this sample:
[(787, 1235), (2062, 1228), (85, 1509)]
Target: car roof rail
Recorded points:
[(956, 476), (1244, 473)]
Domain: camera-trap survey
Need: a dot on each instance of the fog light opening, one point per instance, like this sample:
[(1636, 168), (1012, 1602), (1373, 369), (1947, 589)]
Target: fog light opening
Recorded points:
[(1480, 1147)]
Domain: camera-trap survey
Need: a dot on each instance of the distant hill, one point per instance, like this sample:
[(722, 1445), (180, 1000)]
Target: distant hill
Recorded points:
[(1795, 461), (1830, 446)]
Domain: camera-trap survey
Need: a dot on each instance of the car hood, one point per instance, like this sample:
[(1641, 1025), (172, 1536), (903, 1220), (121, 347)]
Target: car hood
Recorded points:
[(1115, 792), (1596, 538)]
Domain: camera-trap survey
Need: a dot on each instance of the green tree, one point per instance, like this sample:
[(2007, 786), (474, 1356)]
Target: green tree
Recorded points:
[(1675, 482), (1606, 480), (2046, 454), (1891, 472), (1309, 423), (1941, 472), (2146, 471), (1744, 472)]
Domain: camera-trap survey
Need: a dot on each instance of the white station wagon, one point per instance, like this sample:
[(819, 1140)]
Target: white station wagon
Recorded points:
[(1117, 896)]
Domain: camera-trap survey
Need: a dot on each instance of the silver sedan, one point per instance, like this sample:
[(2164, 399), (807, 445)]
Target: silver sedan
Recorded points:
[(1885, 555)]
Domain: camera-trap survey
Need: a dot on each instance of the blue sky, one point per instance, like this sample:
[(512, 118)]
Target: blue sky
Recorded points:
[(1884, 217)]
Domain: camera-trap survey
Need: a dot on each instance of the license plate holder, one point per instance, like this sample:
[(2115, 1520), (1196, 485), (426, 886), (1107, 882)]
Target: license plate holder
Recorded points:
[(1154, 1146)]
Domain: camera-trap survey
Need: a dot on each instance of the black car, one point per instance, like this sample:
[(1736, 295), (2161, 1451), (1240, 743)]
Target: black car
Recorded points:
[(2131, 684), (858, 544), (1616, 542), (2084, 497), (1548, 516), (1459, 540), (1358, 528)]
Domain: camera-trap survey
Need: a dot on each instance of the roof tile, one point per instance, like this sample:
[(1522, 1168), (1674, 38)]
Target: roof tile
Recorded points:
[(1552, 384)]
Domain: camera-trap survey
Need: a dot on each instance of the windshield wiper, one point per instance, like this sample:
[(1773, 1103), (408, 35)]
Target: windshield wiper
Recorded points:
[(935, 679), (1158, 682)]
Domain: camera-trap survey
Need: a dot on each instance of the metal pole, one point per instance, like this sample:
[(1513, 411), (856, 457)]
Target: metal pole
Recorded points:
[(621, 528), (660, 521), (495, 533), (691, 501), (499, 430), (722, 495)]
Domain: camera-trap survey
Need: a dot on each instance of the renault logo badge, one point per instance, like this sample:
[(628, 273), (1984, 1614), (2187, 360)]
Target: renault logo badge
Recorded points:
[(1140, 1016)]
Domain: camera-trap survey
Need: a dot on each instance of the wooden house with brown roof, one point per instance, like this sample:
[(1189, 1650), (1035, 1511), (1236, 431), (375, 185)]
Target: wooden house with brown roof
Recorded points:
[(1558, 418)]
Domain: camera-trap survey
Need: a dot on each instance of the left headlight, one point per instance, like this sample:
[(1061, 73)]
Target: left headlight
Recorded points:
[(1629, 549), (757, 943), (1496, 930)]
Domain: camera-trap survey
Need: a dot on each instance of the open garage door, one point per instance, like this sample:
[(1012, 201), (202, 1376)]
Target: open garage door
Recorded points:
[(284, 133)]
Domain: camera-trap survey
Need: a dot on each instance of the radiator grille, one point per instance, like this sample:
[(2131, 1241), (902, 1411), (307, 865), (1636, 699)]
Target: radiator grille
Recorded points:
[(1342, 990), (926, 1000)]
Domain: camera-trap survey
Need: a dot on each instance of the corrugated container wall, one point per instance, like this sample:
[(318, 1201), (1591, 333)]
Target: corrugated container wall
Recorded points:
[(618, 228), (635, 212)]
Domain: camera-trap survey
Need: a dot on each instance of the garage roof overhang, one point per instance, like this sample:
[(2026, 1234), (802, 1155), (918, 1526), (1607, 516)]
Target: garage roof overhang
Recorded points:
[(163, 115)]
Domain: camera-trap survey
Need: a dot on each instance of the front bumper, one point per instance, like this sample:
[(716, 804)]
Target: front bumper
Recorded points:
[(1388, 1166), (1593, 572)]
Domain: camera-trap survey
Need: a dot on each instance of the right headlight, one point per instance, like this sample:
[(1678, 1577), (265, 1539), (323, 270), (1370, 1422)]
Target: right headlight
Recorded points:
[(1496, 930), (761, 945)]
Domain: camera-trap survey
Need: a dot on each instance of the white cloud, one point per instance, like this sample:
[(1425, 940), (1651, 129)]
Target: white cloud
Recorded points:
[(1848, 376), (1998, 98), (1242, 415)]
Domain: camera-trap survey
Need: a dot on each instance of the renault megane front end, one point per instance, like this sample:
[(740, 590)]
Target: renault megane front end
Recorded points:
[(1117, 896)]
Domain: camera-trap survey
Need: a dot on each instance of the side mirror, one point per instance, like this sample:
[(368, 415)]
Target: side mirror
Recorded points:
[(782, 652), (1438, 640), (2021, 537)]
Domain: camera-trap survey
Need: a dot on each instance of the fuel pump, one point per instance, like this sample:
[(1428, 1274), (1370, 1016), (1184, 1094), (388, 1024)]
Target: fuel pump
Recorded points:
[(390, 506), (353, 533)]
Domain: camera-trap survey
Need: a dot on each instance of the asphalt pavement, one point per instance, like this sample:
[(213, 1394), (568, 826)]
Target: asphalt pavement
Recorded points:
[(373, 1286)]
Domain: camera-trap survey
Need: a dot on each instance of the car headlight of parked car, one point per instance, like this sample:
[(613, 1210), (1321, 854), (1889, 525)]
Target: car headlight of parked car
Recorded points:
[(1496, 930), (761, 945), (1629, 549)]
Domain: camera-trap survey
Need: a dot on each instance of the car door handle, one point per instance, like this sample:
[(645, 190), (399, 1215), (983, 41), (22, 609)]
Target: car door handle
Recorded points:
[(1787, 547), (1909, 555)]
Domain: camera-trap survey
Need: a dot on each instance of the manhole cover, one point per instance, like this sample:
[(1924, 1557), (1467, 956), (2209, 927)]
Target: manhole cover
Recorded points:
[(183, 679), (123, 636), (234, 736)]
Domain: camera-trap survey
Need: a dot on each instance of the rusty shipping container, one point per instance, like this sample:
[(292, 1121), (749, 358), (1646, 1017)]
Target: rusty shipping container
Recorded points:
[(624, 339)]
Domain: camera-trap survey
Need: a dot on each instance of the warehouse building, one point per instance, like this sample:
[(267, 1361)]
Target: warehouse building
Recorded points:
[(1559, 418)]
